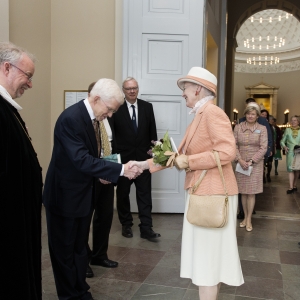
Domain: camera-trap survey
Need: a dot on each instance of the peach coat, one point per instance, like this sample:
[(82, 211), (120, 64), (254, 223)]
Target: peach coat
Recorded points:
[(202, 136)]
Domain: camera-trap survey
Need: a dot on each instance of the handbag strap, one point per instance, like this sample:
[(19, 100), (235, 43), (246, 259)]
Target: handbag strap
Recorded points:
[(217, 158)]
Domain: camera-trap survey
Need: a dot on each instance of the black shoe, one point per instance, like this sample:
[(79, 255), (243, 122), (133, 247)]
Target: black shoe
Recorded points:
[(268, 178), (127, 231), (89, 272), (276, 173), (295, 189), (149, 234), (254, 212), (106, 263), (290, 191), (299, 243), (241, 215)]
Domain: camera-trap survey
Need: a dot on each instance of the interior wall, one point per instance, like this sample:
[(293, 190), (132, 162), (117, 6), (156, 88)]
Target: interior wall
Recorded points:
[(29, 27), (82, 47), (288, 93), (4, 20)]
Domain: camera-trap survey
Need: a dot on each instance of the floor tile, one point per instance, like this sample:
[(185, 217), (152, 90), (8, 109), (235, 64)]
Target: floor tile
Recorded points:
[(129, 272), (261, 269), (141, 256), (157, 292), (290, 258), (290, 272), (252, 241), (116, 253), (291, 290), (114, 289), (285, 245), (259, 254), (261, 288), (167, 277)]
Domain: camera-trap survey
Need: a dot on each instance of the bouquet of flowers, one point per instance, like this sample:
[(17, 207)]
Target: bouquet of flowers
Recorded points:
[(162, 152)]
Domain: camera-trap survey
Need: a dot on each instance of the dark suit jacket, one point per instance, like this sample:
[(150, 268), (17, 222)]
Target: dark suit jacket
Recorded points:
[(74, 164), (131, 145), (264, 121)]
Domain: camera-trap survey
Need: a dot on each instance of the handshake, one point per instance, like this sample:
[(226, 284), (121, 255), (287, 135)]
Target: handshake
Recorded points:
[(135, 168)]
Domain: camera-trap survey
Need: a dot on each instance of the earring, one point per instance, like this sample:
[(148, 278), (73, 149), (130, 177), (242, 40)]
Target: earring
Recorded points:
[(197, 93)]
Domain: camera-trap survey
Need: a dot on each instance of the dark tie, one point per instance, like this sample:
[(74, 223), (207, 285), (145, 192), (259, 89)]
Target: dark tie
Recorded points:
[(97, 133), (133, 119)]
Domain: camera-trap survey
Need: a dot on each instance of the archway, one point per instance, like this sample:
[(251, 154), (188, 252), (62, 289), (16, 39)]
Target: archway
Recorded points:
[(238, 12)]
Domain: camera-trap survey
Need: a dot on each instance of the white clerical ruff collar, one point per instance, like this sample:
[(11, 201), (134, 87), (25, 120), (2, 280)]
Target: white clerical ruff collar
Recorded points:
[(4, 93)]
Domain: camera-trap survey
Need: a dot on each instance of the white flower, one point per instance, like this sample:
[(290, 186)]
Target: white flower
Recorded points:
[(158, 143)]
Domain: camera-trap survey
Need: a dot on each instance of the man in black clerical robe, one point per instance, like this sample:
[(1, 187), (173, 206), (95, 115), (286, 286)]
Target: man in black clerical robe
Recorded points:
[(20, 183)]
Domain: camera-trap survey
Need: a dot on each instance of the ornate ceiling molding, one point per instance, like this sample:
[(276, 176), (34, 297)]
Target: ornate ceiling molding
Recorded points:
[(279, 68)]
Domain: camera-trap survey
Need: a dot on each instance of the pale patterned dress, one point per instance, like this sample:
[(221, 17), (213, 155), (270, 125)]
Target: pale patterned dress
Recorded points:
[(251, 144)]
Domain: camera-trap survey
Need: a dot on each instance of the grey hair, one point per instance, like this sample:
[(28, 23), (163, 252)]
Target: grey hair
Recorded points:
[(107, 89), (207, 92), (271, 117), (129, 79), (252, 108), (12, 53)]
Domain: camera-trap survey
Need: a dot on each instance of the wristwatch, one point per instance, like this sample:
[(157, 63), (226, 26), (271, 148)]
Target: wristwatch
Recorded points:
[(252, 162)]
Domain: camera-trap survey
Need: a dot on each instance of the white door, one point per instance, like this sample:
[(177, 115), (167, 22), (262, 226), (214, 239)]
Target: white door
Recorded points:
[(162, 40)]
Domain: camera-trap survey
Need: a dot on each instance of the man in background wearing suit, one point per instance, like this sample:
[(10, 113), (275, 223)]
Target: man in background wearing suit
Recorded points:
[(103, 205), (135, 128), (70, 185)]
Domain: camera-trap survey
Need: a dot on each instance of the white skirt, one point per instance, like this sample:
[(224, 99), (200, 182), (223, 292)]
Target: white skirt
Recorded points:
[(210, 255)]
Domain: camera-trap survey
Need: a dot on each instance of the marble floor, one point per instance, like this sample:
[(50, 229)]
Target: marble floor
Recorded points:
[(270, 256)]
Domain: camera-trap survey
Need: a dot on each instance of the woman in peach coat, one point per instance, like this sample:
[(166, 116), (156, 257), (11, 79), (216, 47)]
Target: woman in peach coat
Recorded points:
[(209, 256)]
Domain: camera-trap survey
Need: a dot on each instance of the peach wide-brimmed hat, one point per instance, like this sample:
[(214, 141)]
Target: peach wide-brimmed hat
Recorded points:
[(200, 76)]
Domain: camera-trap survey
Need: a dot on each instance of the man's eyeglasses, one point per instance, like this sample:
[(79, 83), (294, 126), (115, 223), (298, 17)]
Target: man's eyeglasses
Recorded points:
[(108, 108), (27, 75), (131, 88)]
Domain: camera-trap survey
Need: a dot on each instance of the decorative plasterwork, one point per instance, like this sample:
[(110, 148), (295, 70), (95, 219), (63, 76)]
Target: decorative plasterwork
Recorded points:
[(279, 68)]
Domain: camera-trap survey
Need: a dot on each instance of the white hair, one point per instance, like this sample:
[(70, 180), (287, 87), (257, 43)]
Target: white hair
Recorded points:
[(107, 89)]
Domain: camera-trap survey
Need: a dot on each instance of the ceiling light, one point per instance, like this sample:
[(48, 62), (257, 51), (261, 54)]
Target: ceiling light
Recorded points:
[(270, 19), (265, 61)]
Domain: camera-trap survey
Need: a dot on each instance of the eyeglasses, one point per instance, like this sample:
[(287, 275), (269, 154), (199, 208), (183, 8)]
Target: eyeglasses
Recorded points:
[(27, 75), (108, 108), (131, 88)]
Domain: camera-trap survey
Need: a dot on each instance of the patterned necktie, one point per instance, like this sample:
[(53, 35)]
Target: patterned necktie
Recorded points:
[(104, 139), (97, 133), (133, 119)]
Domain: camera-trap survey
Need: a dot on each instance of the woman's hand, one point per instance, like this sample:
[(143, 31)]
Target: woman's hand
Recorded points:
[(182, 162), (244, 164)]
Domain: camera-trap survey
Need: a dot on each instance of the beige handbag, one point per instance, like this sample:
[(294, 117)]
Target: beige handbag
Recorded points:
[(209, 211)]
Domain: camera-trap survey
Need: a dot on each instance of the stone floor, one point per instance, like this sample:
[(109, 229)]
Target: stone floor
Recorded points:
[(270, 256)]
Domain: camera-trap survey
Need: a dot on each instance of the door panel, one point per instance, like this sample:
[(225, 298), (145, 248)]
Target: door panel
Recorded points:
[(163, 39)]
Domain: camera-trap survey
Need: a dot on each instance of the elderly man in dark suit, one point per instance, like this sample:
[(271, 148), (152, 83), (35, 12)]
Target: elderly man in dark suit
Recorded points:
[(135, 127), (69, 186), (103, 205)]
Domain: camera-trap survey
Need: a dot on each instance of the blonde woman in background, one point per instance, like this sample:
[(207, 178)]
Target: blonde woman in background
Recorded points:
[(251, 144)]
